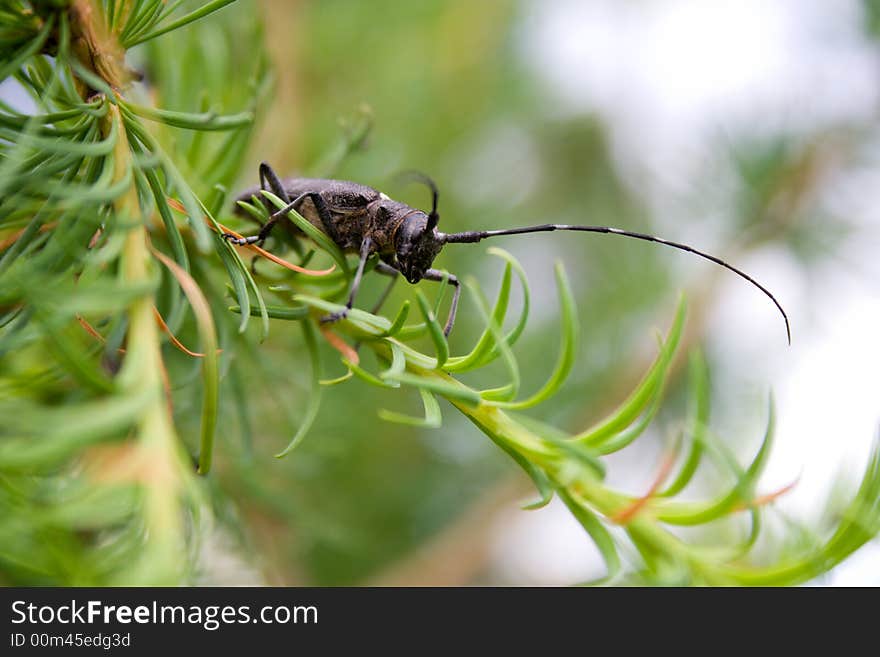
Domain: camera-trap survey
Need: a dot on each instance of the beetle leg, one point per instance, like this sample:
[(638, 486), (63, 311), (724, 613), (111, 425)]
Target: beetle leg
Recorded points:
[(268, 175), (387, 270), (320, 207), (323, 214), (366, 247), (439, 276), (270, 181)]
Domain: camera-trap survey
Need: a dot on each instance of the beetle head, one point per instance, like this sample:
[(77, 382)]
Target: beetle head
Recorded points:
[(417, 240), (417, 243)]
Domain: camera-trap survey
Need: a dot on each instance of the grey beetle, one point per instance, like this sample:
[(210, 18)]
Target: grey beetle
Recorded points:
[(360, 219)]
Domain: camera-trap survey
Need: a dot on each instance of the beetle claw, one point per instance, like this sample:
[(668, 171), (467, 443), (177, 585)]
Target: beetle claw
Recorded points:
[(229, 237), (334, 317)]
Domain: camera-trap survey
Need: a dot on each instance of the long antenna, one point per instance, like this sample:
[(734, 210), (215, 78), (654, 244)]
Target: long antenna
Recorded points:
[(418, 176), (478, 235)]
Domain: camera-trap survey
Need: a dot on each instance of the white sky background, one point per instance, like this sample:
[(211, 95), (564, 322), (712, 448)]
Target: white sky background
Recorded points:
[(671, 78)]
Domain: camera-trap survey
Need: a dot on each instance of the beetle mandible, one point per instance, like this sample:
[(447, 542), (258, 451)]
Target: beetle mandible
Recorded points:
[(360, 219)]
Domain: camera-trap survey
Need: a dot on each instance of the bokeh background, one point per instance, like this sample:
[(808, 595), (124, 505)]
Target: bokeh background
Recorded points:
[(747, 128)]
